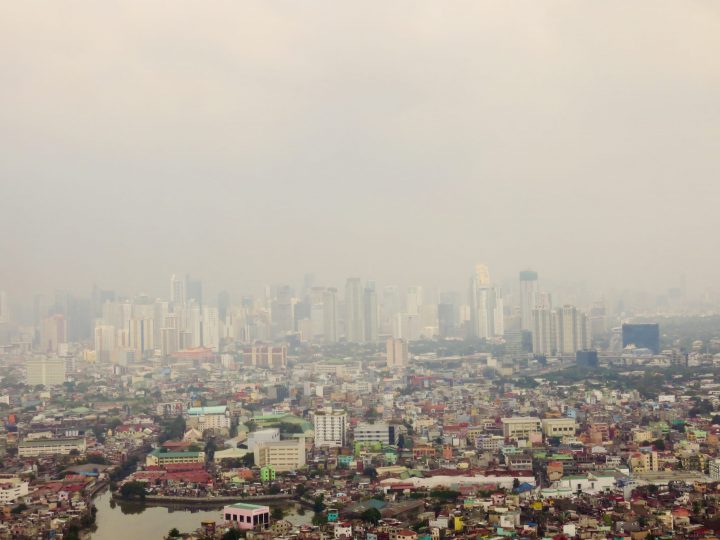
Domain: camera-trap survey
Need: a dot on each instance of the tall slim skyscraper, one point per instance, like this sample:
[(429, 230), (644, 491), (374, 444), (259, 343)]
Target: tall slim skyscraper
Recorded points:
[(528, 297), (572, 330), (486, 305), (354, 313), (330, 315), (177, 290), (543, 332), (370, 309)]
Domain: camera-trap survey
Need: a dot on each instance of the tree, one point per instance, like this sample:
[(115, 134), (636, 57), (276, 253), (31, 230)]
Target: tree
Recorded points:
[(133, 490), (318, 505), (173, 533), (277, 513), (232, 534), (319, 519), (19, 509), (371, 515), (300, 490)]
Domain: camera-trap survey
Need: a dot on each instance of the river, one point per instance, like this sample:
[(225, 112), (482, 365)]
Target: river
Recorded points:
[(137, 521)]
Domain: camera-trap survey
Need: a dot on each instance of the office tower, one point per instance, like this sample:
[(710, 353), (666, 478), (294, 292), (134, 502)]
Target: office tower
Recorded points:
[(282, 311), (543, 338), (396, 351), (193, 325), (330, 315), (53, 333), (354, 313), (223, 304), (587, 359), (370, 312), (211, 328), (79, 319), (447, 324), (161, 310), (141, 337), (572, 330), (413, 300), (598, 319), (193, 290), (642, 336), (4, 310), (177, 290), (330, 428), (168, 341), (45, 371), (486, 305), (528, 297), (104, 342)]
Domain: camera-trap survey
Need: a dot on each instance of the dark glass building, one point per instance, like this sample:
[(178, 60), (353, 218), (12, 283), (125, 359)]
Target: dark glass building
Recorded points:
[(645, 336), (586, 359)]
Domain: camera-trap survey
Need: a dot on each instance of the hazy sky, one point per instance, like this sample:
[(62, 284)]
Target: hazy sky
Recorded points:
[(249, 142)]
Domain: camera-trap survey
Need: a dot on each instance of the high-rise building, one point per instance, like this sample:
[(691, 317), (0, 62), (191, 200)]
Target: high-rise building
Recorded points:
[(177, 290), (447, 324), (396, 351), (141, 336), (486, 305), (528, 297), (330, 334), (283, 311), (211, 328), (645, 336), (104, 342), (572, 331), (543, 332), (53, 333), (370, 313), (330, 428), (223, 304), (587, 359), (354, 313)]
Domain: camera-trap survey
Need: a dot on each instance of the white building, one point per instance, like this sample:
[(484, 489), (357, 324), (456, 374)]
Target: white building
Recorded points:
[(330, 427), (202, 418), (520, 427), (12, 489), (45, 371), (256, 438), (367, 432), (50, 447), (558, 427), (283, 456)]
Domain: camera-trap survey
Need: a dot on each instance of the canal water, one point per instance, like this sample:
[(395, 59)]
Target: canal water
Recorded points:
[(137, 521)]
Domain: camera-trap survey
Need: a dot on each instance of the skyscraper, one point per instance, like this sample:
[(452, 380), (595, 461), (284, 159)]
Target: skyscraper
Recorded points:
[(646, 336), (354, 313), (572, 331), (177, 290), (528, 297), (486, 305), (370, 310), (330, 315)]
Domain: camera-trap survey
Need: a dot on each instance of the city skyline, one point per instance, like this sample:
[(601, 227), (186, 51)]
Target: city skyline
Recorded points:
[(399, 156)]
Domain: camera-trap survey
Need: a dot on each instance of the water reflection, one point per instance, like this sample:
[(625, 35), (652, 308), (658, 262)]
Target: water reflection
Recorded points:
[(121, 520)]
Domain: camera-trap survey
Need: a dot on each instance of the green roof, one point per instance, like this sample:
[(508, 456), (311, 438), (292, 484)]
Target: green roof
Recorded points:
[(158, 453), (50, 442), (217, 409), (246, 506)]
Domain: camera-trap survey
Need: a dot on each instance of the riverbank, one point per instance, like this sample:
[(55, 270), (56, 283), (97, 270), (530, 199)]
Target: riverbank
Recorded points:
[(168, 500)]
